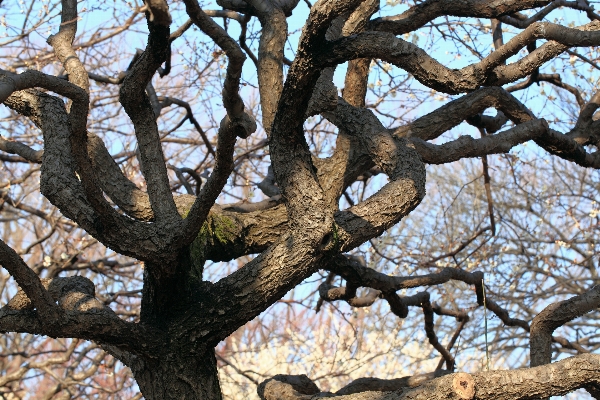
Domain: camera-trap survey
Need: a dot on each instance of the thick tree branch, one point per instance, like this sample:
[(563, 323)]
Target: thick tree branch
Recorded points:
[(29, 154), (287, 387), (554, 316), (136, 103), (397, 158), (563, 146), (349, 158), (291, 158), (523, 23), (158, 11), (554, 379), (78, 313), (89, 324), (246, 207), (489, 71), (10, 83), (270, 60), (237, 123), (432, 125), (228, 132), (468, 147), (124, 193), (586, 129), (30, 283), (60, 184), (417, 16), (268, 185), (244, 294), (389, 385)]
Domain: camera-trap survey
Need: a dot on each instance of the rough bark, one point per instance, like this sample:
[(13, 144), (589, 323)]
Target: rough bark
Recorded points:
[(554, 316), (527, 383), (178, 375), (300, 229)]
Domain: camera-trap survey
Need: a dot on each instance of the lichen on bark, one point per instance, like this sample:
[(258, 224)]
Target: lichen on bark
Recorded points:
[(216, 230)]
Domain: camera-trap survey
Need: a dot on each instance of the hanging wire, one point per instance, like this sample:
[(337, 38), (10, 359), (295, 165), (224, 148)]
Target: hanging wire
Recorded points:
[(487, 353)]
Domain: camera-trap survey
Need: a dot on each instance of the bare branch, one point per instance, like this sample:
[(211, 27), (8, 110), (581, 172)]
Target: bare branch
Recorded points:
[(554, 316), (231, 98), (34, 156), (490, 71), (466, 146), (417, 16), (245, 207), (389, 385), (226, 14), (518, 384), (136, 103), (159, 12), (352, 270), (523, 23), (10, 83), (268, 185), (167, 101), (242, 39), (432, 125), (554, 79), (60, 184), (430, 332), (30, 283)]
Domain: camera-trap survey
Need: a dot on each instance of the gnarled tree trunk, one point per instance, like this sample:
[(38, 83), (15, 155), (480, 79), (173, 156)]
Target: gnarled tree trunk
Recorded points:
[(178, 375)]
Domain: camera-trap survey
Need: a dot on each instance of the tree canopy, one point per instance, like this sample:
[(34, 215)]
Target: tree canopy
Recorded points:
[(346, 199)]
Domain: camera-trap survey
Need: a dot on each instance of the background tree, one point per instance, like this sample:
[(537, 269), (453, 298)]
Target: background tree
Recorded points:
[(124, 254)]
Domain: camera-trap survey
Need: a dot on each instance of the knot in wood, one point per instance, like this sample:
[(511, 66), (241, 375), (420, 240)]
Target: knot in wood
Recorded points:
[(464, 386)]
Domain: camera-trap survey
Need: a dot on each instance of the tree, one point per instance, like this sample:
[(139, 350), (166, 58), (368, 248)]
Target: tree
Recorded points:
[(312, 219)]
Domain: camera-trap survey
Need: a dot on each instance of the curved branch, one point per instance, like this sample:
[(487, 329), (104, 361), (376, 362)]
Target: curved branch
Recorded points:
[(490, 71), (124, 193), (565, 147), (30, 283), (60, 183), (29, 154), (270, 61), (468, 147), (10, 83), (167, 101), (352, 270), (349, 158), (522, 22), (231, 99), (136, 103), (554, 79), (397, 158), (432, 125), (237, 123), (417, 16), (290, 155), (330, 293), (554, 316)]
